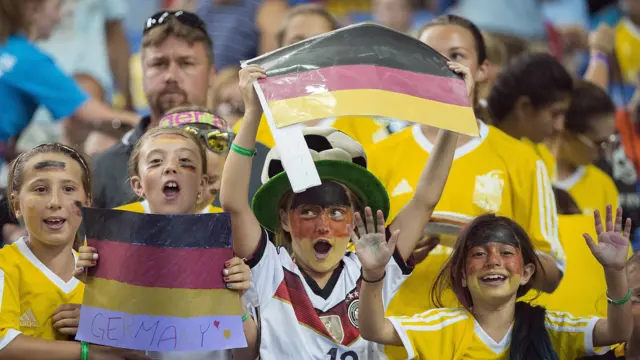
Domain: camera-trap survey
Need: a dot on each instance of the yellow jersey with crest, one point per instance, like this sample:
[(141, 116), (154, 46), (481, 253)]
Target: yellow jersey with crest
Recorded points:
[(30, 294), (363, 129), (454, 334), (143, 207), (490, 174)]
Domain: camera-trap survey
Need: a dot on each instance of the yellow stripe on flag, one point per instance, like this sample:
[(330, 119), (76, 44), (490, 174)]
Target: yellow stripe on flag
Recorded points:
[(185, 303), (389, 104)]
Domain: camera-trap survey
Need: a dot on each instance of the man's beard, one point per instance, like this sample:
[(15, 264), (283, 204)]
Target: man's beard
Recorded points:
[(162, 105)]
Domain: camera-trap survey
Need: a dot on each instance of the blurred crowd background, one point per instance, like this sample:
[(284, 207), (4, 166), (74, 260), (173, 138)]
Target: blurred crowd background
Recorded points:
[(98, 41)]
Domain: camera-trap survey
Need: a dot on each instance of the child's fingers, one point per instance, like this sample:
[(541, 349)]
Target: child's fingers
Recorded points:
[(239, 286), (237, 269), (233, 262), (236, 278), (87, 249)]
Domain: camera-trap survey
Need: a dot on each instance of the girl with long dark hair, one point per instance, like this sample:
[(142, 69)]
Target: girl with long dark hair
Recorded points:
[(491, 266)]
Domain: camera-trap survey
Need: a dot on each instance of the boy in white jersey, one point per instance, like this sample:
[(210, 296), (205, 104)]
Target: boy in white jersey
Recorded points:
[(308, 279)]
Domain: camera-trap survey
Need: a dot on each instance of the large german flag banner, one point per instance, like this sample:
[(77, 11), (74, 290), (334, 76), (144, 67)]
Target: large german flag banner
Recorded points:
[(158, 285), (364, 69)]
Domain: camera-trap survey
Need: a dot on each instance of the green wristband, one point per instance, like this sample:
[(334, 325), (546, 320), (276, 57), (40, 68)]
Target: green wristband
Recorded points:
[(242, 151), (245, 316), (84, 347), (619, 302)]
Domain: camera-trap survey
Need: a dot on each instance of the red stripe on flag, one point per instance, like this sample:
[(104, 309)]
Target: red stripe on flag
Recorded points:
[(349, 77), (153, 266)]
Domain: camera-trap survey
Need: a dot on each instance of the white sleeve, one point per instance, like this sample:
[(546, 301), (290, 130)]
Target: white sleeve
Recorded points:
[(266, 272), (397, 272)]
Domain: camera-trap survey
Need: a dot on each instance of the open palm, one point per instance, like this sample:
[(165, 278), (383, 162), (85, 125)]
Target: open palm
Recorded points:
[(612, 248), (372, 247)]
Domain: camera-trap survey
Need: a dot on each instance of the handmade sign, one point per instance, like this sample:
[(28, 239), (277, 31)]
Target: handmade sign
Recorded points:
[(158, 285), (363, 69)]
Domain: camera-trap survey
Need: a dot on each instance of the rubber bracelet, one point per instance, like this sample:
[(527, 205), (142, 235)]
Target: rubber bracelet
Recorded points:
[(245, 316), (619, 302), (374, 281), (600, 56), (84, 354), (242, 151)]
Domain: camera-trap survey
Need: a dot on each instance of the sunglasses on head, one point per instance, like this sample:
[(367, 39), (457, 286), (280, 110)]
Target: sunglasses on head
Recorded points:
[(214, 139), (184, 17)]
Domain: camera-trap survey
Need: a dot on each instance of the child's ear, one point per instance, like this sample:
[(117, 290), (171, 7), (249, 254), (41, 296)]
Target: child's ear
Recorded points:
[(136, 185), (15, 203), (527, 273)]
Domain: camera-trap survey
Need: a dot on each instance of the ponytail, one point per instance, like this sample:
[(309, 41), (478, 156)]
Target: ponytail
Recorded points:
[(529, 338)]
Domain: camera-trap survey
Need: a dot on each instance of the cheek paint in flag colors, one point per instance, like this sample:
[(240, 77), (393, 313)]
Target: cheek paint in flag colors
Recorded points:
[(364, 69), (158, 284)]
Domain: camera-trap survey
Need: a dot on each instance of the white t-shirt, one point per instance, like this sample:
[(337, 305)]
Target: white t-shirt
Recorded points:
[(301, 321)]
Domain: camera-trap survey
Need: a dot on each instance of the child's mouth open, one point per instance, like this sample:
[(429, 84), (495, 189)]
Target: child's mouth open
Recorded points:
[(171, 190), (322, 248)]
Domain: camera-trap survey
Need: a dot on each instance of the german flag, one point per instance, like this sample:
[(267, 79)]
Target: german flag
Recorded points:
[(364, 69), (158, 284)]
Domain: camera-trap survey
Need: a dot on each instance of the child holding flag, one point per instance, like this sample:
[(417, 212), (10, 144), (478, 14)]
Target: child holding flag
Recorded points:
[(167, 169), (308, 285), (38, 293)]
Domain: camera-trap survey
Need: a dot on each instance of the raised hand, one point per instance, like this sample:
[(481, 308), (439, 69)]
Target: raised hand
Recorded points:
[(247, 76), (372, 247), (466, 75), (612, 248)]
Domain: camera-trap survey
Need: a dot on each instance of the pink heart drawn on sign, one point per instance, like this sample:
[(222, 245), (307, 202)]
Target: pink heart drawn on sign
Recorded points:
[(216, 323)]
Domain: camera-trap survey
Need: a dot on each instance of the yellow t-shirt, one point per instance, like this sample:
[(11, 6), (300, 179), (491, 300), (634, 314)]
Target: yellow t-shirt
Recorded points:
[(30, 293), (493, 173), (581, 265), (143, 207), (365, 130), (591, 188), (627, 49), (454, 334)]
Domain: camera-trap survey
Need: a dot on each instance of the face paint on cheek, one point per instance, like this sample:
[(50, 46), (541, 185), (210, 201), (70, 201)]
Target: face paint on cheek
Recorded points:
[(76, 208), (50, 165), (189, 167)]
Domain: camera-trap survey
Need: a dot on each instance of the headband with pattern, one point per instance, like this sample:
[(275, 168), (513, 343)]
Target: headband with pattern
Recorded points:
[(193, 117)]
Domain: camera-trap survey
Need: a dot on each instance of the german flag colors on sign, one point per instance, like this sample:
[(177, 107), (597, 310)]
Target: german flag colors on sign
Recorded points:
[(158, 283), (364, 69)]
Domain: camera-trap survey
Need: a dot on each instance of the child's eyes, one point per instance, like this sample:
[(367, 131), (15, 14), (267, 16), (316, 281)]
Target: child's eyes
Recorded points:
[(39, 189), (69, 188)]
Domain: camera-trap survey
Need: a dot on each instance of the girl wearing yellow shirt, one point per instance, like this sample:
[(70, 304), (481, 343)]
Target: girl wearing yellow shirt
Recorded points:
[(39, 296), (589, 126), (491, 266)]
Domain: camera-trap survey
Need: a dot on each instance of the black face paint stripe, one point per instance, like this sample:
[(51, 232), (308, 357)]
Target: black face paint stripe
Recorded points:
[(326, 195), (50, 164)]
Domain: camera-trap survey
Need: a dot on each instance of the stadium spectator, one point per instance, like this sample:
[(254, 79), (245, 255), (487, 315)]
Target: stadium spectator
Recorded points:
[(177, 70), (90, 44), (29, 78)]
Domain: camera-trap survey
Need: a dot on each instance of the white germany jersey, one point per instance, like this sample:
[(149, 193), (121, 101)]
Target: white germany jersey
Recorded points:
[(301, 321)]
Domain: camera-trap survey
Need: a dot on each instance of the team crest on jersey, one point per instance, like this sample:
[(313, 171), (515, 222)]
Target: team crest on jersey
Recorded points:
[(487, 193), (334, 326), (352, 312)]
